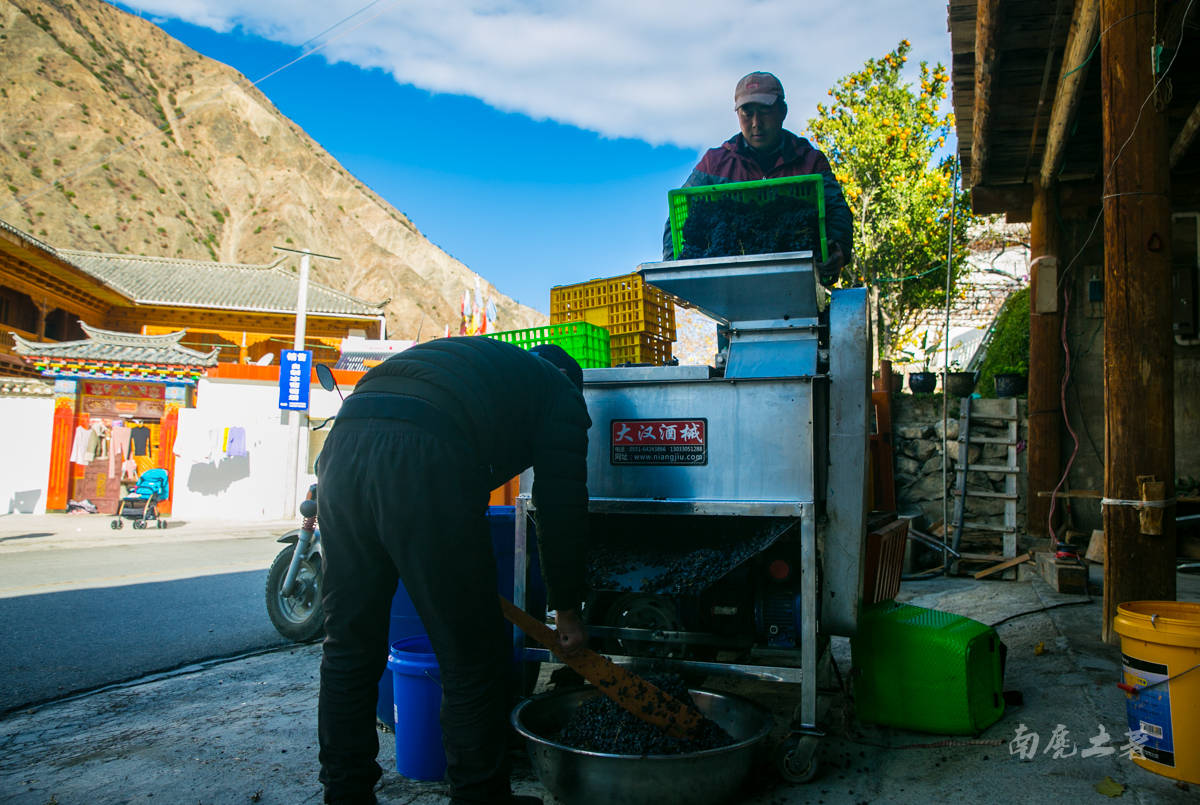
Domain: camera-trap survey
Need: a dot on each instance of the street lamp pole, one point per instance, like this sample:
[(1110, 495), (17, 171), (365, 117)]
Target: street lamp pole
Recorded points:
[(297, 456)]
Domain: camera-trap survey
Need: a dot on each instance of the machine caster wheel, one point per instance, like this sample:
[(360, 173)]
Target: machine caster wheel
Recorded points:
[(797, 759), (138, 524), (162, 524), (114, 525)]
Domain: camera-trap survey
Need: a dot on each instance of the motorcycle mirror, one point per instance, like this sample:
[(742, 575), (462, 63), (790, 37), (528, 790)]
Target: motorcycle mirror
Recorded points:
[(325, 376)]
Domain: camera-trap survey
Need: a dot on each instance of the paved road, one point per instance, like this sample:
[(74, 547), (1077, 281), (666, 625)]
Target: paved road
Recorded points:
[(83, 606)]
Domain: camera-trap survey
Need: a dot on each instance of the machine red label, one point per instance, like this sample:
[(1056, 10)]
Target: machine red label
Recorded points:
[(659, 442)]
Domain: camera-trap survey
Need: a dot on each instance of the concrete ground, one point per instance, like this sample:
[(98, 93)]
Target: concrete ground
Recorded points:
[(244, 730)]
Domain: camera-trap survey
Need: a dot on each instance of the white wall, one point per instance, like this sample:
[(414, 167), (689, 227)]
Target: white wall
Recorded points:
[(25, 466), (255, 486)]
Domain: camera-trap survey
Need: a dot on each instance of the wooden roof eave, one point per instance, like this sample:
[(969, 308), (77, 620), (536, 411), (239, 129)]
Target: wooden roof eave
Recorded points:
[(987, 20), (1085, 27), (48, 276), (317, 324)]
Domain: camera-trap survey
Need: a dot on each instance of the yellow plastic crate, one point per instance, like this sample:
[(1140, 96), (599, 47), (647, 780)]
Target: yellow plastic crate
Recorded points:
[(640, 348), (622, 305)]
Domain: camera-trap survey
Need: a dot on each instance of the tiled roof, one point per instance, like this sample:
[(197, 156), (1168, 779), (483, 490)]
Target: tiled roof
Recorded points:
[(361, 361), (107, 345), (221, 286), (28, 238)]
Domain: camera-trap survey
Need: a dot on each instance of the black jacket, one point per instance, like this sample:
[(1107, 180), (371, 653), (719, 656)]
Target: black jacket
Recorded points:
[(517, 411)]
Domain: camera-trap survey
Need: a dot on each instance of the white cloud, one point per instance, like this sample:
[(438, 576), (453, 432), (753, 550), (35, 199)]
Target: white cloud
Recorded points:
[(661, 71)]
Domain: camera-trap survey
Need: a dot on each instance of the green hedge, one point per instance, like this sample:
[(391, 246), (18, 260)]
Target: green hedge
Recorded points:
[(1008, 351)]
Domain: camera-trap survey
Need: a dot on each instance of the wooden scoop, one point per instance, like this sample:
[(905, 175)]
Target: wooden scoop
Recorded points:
[(647, 702)]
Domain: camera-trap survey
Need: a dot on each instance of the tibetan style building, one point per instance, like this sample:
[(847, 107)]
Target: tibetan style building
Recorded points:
[(124, 339)]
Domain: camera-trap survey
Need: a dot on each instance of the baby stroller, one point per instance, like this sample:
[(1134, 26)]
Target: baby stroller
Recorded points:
[(141, 505)]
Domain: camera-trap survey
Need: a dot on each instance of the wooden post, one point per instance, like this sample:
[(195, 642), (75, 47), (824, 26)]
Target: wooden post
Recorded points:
[(1044, 461), (1139, 351)]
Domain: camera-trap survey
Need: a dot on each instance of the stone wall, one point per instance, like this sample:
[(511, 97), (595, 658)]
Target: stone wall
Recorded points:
[(917, 429)]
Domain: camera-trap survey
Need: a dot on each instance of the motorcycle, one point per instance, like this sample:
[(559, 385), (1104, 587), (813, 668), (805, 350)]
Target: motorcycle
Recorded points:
[(293, 588), (294, 580)]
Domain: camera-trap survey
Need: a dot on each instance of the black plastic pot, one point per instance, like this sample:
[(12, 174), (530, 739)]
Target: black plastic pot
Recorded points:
[(959, 384), (1010, 385), (922, 382)]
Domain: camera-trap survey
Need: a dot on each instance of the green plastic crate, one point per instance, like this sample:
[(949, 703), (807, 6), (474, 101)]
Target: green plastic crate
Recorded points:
[(924, 670), (810, 188), (586, 343)]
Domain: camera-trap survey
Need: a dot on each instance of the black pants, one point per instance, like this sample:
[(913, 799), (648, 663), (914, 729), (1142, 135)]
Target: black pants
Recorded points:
[(396, 500)]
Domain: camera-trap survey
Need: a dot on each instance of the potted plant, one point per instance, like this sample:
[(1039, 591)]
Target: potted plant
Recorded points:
[(1010, 381), (924, 381), (958, 382)]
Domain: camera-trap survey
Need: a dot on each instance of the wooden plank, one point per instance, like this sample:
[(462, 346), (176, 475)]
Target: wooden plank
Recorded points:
[(642, 699), (989, 468), (982, 557), (981, 525), (1000, 495), (1005, 565), (986, 24), (1139, 347), (1095, 549), (991, 440), (1085, 24)]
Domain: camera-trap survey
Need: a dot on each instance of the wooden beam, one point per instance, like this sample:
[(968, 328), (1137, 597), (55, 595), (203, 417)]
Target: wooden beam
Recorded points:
[(1096, 494), (986, 23), (1015, 201), (1005, 565), (1085, 25), (1139, 371), (1044, 461), (1183, 140), (1078, 199), (134, 318)]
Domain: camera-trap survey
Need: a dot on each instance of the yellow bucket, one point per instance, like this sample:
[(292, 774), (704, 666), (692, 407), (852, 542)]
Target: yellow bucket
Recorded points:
[(1160, 652)]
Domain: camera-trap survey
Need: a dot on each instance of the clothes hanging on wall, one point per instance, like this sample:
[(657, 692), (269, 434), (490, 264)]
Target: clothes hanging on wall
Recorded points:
[(79, 447), (129, 470), (118, 446), (236, 444), (98, 441), (140, 438)]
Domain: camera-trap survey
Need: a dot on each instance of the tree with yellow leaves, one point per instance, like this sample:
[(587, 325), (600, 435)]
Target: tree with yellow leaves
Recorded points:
[(881, 135)]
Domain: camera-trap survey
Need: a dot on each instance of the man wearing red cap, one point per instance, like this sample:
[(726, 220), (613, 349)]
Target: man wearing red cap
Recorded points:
[(764, 149)]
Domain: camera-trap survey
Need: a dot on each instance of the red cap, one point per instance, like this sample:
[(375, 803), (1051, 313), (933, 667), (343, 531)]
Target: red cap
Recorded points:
[(761, 88)]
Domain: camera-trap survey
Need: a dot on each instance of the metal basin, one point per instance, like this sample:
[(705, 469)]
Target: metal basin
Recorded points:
[(576, 777)]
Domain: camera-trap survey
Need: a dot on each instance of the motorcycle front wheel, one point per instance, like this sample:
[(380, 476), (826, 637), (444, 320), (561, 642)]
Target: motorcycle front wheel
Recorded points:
[(299, 616)]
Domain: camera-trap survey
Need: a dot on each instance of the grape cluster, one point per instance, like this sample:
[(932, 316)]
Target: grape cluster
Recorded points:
[(726, 227), (600, 725)]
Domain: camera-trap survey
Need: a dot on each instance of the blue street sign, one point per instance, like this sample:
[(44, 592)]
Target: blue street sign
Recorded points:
[(295, 367)]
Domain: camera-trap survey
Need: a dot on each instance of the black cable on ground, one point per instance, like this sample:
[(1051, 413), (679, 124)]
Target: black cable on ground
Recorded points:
[(1041, 609)]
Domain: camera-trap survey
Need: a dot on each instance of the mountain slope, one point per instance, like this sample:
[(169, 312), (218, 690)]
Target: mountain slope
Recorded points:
[(161, 151)]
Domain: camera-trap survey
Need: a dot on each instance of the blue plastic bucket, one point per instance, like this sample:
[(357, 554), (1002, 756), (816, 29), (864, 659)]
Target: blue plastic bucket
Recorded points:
[(404, 622), (417, 695)]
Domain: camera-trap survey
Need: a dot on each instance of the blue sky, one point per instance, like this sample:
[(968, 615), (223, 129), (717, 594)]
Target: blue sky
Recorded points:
[(536, 141)]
